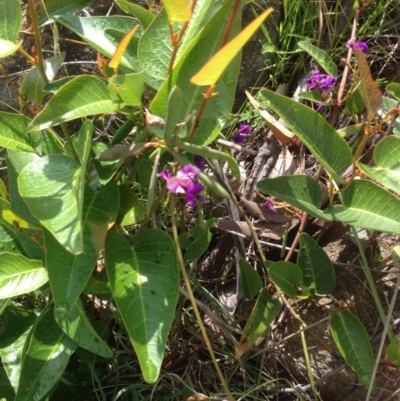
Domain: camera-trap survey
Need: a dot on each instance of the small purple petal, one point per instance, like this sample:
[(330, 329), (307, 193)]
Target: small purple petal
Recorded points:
[(239, 138), (270, 206), (200, 162), (193, 194), (166, 175), (245, 129), (362, 46), (188, 172)]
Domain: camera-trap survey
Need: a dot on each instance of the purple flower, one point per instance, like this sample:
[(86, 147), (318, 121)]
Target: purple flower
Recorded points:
[(193, 194), (200, 162), (322, 82), (352, 44), (270, 206), (185, 182), (241, 135)]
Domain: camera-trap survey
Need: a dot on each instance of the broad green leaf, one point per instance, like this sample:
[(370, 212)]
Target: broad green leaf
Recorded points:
[(16, 323), (201, 239), (251, 280), (220, 105), (372, 95), (320, 56), (131, 210), (19, 275), (104, 34), (155, 48), (54, 86), (13, 132), (105, 169), (313, 96), (144, 16), (352, 340), (393, 349), (262, 316), (318, 271), (9, 239), (69, 273), (8, 48), (396, 256), (389, 103), (394, 90), (300, 191), (77, 326), (121, 48), (129, 87), (32, 84), (6, 390), (46, 356), (172, 117), (10, 19), (350, 130), (95, 287), (83, 96), (177, 10), (50, 8), (212, 154), (144, 281), (211, 72), (51, 189), (10, 217), (365, 204), (123, 131), (321, 139), (287, 276), (16, 161), (387, 164)]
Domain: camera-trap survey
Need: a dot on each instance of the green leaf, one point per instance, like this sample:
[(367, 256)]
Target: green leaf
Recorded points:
[(387, 165), (51, 189), (300, 191), (321, 139), (16, 324), (396, 256), (129, 87), (51, 8), (19, 275), (201, 239), (79, 329), (32, 84), (320, 56), (46, 356), (211, 72), (6, 390), (173, 107), (351, 338), (8, 48), (355, 103), (104, 34), (393, 349), (83, 96), (95, 287), (318, 271), (105, 169), (13, 132), (10, 19), (313, 96), (69, 273), (144, 16), (201, 49), (394, 90), (262, 316), (212, 154), (372, 95), (389, 103), (365, 204), (177, 10), (131, 210), (251, 280), (287, 276), (144, 281)]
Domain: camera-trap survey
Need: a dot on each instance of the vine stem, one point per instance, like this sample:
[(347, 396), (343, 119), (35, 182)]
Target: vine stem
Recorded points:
[(194, 304)]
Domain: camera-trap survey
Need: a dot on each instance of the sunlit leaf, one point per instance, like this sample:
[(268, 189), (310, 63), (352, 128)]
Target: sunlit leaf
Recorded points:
[(50, 8), (144, 16), (251, 280), (213, 69), (320, 56), (352, 340), (121, 48), (8, 48), (129, 88), (10, 20), (19, 275), (177, 10), (13, 132), (287, 276)]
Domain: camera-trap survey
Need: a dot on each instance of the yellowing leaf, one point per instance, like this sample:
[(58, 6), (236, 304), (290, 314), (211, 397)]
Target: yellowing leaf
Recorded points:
[(178, 10), (11, 218), (213, 69), (119, 52)]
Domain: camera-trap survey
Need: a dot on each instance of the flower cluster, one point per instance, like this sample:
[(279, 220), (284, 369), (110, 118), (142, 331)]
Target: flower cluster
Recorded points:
[(241, 135), (352, 44), (322, 82), (185, 182)]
